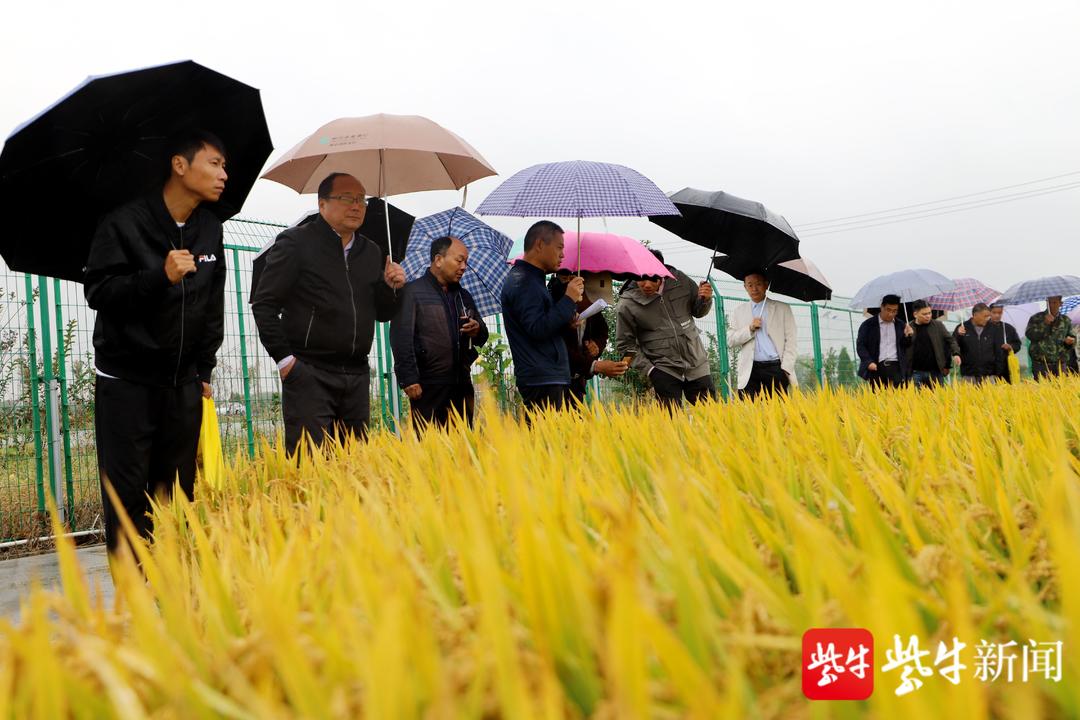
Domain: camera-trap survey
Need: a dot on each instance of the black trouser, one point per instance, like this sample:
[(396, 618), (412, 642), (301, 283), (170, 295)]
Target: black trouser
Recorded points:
[(319, 401), (765, 377), (438, 403), (670, 389), (1042, 368), (147, 438), (888, 374), (537, 397)]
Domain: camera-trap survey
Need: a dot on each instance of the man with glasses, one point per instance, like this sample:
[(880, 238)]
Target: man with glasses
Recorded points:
[(322, 289), (764, 335)]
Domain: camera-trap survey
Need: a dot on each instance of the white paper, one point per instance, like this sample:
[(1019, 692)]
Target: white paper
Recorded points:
[(593, 309)]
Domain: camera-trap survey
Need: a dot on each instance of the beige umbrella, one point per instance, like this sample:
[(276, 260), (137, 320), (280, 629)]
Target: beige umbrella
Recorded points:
[(389, 154)]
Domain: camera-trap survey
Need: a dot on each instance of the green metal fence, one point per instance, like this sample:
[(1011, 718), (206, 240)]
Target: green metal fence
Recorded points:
[(47, 380)]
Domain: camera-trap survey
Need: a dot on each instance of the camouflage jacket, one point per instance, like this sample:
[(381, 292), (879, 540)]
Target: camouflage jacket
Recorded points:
[(1048, 341)]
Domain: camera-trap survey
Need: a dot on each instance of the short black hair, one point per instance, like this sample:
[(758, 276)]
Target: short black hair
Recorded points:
[(440, 245), (658, 255), (327, 185), (890, 300), (757, 271), (919, 305), (997, 306), (188, 144), (979, 307), (541, 231)]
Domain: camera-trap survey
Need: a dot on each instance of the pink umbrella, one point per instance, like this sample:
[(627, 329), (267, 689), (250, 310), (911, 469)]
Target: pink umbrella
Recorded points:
[(623, 257)]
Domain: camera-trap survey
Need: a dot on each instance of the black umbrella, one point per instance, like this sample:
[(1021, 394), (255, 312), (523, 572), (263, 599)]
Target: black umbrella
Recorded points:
[(731, 225), (104, 144), (374, 227), (799, 279)]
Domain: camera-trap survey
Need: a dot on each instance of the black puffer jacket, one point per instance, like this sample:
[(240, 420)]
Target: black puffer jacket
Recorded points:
[(147, 330), (314, 303), (429, 348)]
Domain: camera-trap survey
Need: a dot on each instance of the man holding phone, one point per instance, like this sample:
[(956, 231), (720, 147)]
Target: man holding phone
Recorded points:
[(434, 337), (656, 327)]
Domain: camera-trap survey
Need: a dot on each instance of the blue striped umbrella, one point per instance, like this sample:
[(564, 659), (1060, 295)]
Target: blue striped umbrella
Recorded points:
[(488, 251), (577, 189), (1040, 289), (1069, 304)]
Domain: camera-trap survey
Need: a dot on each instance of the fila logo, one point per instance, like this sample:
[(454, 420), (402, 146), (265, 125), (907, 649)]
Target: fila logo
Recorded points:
[(208, 258)]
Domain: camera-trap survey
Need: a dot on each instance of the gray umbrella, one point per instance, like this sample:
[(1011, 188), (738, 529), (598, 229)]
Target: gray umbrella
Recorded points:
[(1040, 289), (908, 284)]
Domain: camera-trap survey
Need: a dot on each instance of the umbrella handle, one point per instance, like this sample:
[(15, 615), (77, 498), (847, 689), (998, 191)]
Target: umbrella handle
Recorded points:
[(464, 195), (579, 246), (708, 274)]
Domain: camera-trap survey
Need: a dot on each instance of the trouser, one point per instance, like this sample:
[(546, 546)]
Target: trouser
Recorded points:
[(888, 374), (537, 397), (927, 378), (321, 402), (1042, 368), (438, 403), (147, 438), (765, 377), (670, 389)]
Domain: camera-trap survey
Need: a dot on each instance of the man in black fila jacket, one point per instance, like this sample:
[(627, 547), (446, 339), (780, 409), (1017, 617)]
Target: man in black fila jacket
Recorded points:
[(156, 277), (322, 289)]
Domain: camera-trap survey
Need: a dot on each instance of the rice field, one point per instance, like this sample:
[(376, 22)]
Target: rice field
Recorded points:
[(609, 564)]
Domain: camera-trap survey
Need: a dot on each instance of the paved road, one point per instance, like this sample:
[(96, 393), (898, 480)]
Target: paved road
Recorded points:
[(17, 574)]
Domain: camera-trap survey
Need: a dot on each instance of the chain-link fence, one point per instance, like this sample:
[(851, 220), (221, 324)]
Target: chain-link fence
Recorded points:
[(47, 380)]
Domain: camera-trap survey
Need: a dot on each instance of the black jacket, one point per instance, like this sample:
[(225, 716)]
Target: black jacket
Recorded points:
[(868, 346), (149, 331), (313, 303), (1004, 334), (429, 348), (596, 329), (981, 355), (942, 342), (534, 325)]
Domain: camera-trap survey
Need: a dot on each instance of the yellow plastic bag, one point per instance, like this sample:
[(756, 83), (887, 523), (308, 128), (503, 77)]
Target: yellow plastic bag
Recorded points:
[(1014, 368), (213, 461)]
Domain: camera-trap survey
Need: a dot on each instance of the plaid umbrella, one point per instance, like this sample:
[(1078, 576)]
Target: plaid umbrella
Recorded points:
[(967, 293), (1040, 289), (1069, 304), (488, 250), (577, 189)]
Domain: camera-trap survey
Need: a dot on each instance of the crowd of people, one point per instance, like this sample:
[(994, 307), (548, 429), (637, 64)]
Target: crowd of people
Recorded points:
[(156, 276)]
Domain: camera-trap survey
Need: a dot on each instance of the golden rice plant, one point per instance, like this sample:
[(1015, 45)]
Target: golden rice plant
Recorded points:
[(603, 564)]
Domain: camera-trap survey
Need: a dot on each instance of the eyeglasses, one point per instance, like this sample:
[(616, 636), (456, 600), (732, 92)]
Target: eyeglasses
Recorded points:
[(347, 198)]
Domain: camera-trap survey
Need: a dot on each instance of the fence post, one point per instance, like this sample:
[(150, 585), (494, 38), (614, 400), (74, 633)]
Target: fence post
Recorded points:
[(721, 341), (34, 392), (52, 398), (815, 332), (248, 420), (501, 389), (394, 395), (61, 365), (854, 344)]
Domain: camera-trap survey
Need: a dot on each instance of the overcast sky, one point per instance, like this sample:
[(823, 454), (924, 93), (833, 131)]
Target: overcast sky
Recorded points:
[(819, 110)]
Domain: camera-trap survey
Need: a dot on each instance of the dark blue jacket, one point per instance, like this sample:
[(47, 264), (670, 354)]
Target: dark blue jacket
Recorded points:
[(868, 346), (534, 325)]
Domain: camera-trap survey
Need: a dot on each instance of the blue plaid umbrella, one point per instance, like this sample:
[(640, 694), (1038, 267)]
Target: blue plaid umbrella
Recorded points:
[(1040, 289), (1069, 304), (577, 189), (488, 251)]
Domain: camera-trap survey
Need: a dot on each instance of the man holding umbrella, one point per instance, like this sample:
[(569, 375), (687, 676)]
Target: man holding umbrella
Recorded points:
[(1051, 340), (156, 277), (882, 344), (323, 288)]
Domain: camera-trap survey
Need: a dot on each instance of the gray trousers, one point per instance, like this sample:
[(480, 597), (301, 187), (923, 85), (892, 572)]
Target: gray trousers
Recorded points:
[(324, 403)]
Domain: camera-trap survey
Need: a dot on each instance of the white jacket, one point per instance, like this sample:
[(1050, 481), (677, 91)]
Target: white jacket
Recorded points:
[(780, 323)]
